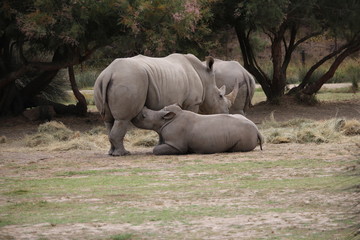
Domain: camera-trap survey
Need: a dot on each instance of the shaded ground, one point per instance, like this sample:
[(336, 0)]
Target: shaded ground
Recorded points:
[(287, 191), (344, 109)]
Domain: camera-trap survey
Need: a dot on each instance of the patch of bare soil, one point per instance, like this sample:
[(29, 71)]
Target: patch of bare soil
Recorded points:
[(246, 226)]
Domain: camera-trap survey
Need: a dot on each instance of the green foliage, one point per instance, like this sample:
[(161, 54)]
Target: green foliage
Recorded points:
[(341, 18), (51, 23), (287, 24), (161, 27), (264, 14), (68, 33)]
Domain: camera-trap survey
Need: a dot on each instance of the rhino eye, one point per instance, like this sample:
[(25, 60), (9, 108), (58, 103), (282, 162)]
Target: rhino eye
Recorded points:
[(221, 96)]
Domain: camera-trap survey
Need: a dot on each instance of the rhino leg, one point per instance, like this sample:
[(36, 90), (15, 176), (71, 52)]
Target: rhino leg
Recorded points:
[(109, 126), (164, 149), (240, 146), (116, 137)]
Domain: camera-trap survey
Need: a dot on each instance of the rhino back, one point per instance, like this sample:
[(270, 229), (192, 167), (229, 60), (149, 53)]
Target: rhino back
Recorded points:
[(211, 133), (217, 133), (171, 80)]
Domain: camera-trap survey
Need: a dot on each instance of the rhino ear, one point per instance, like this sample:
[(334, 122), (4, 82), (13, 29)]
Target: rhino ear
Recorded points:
[(222, 90), (169, 115), (210, 62)]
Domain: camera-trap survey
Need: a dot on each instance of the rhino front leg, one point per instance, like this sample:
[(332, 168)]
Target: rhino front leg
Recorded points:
[(164, 149), (116, 137)]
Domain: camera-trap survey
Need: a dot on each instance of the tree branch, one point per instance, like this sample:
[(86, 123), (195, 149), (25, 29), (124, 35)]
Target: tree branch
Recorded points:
[(43, 66), (314, 88), (301, 40)]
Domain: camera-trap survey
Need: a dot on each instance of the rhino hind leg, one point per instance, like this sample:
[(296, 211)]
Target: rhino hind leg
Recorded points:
[(164, 149), (116, 137), (240, 146), (109, 126)]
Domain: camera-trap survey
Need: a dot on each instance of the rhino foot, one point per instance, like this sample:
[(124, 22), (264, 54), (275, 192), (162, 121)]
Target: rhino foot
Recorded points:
[(118, 152)]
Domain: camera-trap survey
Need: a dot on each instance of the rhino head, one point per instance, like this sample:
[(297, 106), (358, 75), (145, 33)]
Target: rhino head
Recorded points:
[(215, 100), (155, 120)]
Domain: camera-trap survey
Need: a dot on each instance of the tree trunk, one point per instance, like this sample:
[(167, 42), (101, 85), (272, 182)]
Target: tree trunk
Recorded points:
[(249, 61), (278, 81), (314, 88), (306, 81), (81, 105)]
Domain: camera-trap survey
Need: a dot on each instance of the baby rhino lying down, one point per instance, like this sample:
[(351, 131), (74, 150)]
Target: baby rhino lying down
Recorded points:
[(184, 132)]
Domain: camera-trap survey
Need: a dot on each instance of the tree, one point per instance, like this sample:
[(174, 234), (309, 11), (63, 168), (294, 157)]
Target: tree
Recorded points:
[(40, 37), (287, 24), (340, 19), (161, 27)]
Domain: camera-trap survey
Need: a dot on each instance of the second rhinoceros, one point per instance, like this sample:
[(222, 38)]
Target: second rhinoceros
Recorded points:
[(129, 84), (184, 132), (229, 73)]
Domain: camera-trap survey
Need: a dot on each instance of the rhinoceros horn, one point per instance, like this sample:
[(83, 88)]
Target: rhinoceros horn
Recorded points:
[(232, 96)]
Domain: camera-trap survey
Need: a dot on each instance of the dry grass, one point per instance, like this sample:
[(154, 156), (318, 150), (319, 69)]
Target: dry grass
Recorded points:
[(3, 139), (55, 136), (351, 128), (308, 131), (144, 138)]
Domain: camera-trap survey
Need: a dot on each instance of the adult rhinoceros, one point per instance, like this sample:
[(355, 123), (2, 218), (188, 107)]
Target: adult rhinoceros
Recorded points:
[(128, 84), (227, 73)]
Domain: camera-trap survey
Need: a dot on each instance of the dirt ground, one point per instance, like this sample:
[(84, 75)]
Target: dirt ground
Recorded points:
[(252, 226)]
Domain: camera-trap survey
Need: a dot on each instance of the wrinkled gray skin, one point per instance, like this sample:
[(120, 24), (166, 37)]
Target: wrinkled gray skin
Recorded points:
[(184, 132), (227, 73), (129, 84)]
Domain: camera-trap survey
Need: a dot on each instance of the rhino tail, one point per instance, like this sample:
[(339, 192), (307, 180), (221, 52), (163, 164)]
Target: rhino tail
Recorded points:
[(261, 140), (103, 85)]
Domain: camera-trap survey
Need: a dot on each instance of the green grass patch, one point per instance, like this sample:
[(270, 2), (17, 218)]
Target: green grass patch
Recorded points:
[(181, 191), (104, 195), (125, 236)]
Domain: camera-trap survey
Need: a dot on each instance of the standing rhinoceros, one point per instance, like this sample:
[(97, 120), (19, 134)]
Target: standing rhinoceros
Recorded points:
[(184, 132), (129, 84), (227, 73)]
